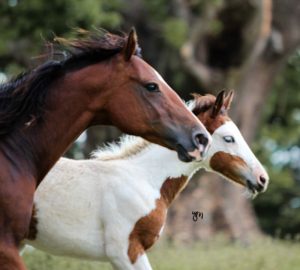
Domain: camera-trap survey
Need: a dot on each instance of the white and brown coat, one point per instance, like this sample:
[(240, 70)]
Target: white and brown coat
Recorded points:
[(113, 207)]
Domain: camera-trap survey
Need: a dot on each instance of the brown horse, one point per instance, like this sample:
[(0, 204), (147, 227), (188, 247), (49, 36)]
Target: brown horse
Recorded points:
[(102, 81)]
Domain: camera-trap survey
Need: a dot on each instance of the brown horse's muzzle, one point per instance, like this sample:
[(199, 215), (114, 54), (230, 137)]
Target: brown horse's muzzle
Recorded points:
[(193, 148)]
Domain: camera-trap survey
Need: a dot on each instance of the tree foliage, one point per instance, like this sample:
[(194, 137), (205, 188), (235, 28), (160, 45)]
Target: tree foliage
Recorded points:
[(279, 147), (25, 25)]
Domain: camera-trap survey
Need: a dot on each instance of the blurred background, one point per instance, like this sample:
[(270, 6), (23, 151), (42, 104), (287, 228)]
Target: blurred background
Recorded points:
[(201, 46)]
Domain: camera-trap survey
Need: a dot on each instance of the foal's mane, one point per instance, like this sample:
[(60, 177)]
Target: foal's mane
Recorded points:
[(23, 98), (127, 146)]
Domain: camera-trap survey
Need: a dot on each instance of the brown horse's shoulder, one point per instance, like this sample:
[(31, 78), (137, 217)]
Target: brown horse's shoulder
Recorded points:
[(16, 192)]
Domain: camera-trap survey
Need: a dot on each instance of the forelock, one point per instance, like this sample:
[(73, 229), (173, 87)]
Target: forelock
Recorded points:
[(204, 103)]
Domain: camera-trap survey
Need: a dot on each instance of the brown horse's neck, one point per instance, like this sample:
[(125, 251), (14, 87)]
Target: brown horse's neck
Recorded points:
[(68, 113)]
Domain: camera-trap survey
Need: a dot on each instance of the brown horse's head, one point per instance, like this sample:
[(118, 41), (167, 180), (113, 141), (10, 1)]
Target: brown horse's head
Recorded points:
[(135, 98), (229, 154)]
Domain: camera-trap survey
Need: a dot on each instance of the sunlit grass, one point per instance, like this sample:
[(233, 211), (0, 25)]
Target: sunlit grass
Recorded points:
[(263, 255)]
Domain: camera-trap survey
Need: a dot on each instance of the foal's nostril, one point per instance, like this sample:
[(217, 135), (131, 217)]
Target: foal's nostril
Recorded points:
[(201, 139)]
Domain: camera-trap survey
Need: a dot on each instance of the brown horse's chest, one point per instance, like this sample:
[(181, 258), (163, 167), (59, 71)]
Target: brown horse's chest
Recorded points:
[(148, 228)]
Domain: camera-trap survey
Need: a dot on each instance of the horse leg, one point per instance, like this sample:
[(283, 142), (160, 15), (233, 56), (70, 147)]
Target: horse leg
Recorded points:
[(9, 257), (121, 261), (121, 265), (142, 263), (124, 263)]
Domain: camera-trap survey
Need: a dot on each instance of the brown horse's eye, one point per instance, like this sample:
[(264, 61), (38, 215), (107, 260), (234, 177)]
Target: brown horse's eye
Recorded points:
[(152, 87)]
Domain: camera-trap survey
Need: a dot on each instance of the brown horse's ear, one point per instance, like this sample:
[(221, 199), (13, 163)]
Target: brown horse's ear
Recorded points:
[(131, 45), (228, 99), (218, 104)]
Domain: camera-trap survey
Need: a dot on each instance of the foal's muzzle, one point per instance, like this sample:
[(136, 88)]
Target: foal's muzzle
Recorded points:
[(259, 184)]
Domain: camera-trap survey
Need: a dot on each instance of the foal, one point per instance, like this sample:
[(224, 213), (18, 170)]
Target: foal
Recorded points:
[(114, 207), (102, 81)]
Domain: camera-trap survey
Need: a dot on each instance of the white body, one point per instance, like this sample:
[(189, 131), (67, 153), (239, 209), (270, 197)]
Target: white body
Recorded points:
[(88, 208)]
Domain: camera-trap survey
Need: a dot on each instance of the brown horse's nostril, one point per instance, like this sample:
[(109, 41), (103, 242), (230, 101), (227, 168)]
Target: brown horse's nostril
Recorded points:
[(262, 180), (201, 139)]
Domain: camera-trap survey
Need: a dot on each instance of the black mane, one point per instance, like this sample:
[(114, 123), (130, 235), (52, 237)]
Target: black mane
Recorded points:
[(24, 97)]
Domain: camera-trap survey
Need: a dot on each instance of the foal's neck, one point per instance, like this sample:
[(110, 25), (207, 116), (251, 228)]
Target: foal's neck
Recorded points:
[(67, 114), (165, 172)]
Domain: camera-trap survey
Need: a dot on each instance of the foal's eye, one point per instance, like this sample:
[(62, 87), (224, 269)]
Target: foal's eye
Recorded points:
[(228, 139), (152, 87)]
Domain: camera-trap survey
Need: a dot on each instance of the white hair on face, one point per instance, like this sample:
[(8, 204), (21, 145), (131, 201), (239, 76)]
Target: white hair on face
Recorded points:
[(241, 149)]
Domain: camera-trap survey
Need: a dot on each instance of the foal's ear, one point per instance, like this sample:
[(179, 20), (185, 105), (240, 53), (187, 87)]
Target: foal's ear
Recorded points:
[(131, 45), (218, 104), (228, 100)]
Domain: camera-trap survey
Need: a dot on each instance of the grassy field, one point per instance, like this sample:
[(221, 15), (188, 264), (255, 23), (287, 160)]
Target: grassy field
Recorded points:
[(218, 255)]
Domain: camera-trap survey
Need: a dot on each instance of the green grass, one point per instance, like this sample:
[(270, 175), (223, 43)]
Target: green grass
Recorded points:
[(217, 255)]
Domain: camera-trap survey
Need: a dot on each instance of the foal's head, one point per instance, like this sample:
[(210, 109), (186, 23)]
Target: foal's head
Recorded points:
[(229, 154), (135, 98)]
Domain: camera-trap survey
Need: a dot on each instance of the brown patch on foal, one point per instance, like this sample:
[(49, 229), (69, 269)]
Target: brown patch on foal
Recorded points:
[(212, 124), (229, 165), (171, 188), (204, 106), (146, 230), (32, 233)]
